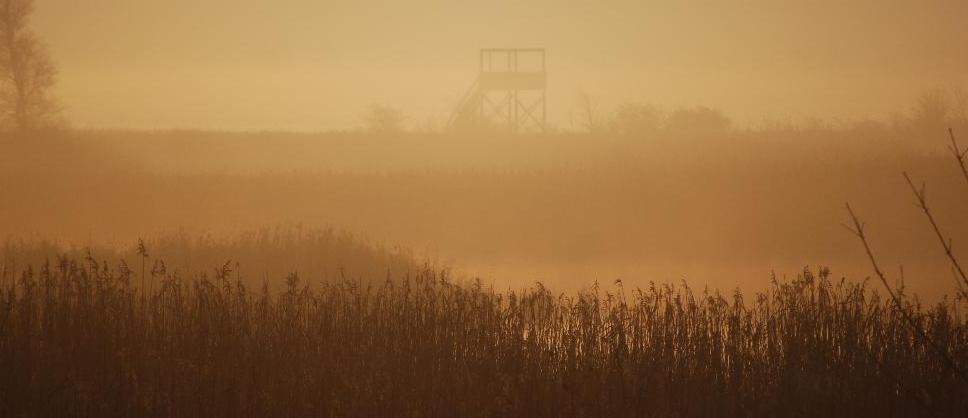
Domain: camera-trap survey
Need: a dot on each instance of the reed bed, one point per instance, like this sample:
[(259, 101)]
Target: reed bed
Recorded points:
[(81, 338)]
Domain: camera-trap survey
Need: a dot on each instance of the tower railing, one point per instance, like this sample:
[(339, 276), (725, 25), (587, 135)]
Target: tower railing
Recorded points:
[(510, 90)]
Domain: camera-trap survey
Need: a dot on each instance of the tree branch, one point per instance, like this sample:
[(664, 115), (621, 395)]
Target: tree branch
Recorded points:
[(946, 243), (958, 153), (858, 230)]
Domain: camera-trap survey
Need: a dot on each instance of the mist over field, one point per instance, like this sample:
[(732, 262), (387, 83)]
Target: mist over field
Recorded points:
[(565, 210), (427, 208)]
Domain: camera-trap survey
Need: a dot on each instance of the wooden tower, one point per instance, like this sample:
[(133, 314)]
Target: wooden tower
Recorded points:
[(510, 91)]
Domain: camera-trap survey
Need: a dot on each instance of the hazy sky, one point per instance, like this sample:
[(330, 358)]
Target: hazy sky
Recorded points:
[(312, 64)]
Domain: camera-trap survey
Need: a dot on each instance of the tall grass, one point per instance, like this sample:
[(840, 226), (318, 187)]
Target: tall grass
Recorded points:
[(268, 252), (77, 339)]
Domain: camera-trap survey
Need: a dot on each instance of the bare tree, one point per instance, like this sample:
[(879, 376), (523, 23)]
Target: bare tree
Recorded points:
[(384, 119), (27, 74), (589, 114), (932, 112), (637, 119)]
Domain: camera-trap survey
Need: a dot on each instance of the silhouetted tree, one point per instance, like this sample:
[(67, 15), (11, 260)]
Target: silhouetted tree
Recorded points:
[(28, 74), (590, 120), (383, 119), (634, 118), (931, 113)]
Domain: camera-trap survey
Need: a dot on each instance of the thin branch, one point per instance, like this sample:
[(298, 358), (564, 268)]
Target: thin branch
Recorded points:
[(962, 290), (958, 153), (858, 230), (946, 243)]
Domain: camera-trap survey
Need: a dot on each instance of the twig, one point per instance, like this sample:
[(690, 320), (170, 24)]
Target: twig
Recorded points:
[(858, 230), (962, 290), (946, 243), (958, 153)]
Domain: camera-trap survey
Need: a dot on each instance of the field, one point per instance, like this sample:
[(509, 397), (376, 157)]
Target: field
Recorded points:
[(264, 274), (483, 209), (722, 211)]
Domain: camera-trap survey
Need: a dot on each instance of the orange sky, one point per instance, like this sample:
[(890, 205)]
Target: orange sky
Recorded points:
[(316, 65)]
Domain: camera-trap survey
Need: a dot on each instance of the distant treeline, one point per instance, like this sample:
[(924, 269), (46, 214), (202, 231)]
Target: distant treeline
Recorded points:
[(933, 111)]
